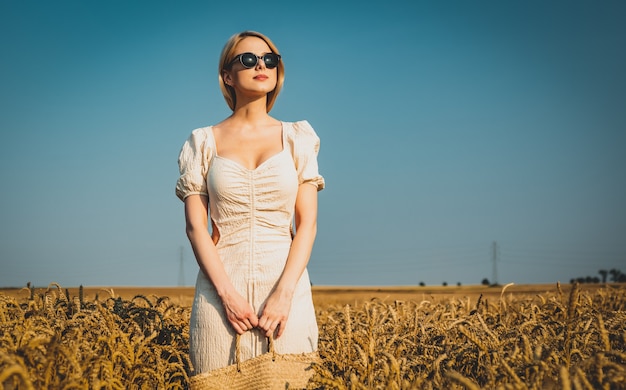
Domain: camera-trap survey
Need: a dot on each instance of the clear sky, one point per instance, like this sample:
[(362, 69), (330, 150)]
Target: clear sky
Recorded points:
[(446, 126)]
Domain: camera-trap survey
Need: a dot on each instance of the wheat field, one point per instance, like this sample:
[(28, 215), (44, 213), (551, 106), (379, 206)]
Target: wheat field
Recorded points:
[(566, 337)]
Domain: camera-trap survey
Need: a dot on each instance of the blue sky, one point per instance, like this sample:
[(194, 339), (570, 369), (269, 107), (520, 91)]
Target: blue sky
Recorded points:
[(445, 127)]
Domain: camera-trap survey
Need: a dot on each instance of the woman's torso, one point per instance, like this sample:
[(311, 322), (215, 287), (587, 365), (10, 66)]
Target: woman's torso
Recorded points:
[(252, 210)]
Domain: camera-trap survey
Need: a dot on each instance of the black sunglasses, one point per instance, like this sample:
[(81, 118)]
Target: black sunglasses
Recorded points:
[(250, 60)]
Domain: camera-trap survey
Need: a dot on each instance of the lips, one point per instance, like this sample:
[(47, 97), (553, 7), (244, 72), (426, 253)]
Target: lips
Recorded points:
[(261, 77)]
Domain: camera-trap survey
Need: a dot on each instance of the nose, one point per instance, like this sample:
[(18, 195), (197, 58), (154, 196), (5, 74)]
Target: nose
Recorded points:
[(260, 62)]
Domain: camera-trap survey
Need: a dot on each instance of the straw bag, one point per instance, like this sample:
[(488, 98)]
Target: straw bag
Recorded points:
[(270, 370)]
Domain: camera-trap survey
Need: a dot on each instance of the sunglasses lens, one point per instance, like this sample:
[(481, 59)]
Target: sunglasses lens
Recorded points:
[(248, 60), (271, 60)]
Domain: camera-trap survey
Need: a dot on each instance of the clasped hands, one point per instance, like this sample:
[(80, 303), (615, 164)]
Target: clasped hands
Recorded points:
[(272, 321)]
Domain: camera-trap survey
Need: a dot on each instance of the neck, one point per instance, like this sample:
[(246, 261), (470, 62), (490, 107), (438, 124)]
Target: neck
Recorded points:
[(251, 110)]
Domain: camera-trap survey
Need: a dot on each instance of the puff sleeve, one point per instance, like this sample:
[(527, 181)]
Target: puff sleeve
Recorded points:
[(306, 145), (193, 164)]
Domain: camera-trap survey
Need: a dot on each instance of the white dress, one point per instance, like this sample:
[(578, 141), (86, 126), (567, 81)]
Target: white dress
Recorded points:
[(253, 211)]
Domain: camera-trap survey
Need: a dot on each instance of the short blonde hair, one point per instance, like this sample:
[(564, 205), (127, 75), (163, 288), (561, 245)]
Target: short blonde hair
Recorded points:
[(228, 53)]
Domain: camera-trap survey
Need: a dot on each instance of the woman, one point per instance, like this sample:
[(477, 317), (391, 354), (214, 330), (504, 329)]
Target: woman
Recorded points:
[(256, 175)]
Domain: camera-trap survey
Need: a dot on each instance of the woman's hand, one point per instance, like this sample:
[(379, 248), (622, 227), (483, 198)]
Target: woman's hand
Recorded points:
[(275, 313), (240, 313)]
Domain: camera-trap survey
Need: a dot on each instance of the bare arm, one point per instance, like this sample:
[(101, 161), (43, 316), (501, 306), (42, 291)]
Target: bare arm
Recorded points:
[(276, 310), (238, 311)]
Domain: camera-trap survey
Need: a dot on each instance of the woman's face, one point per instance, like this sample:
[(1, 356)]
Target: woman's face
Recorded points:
[(258, 80)]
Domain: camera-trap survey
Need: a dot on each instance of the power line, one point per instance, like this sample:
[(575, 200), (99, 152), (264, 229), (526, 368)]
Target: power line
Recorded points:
[(181, 269), (494, 256)]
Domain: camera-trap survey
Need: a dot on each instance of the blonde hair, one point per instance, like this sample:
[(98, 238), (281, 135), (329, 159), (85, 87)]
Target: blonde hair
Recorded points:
[(228, 53)]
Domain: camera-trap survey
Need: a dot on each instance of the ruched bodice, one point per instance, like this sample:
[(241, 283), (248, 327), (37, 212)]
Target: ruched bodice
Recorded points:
[(253, 205)]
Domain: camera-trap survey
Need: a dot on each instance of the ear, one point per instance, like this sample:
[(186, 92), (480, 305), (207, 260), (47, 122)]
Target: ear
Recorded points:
[(227, 77)]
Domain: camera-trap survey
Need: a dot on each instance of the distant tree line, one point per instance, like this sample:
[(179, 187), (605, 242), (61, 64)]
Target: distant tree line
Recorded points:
[(613, 275)]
